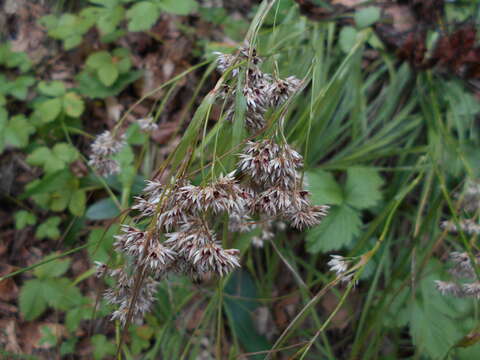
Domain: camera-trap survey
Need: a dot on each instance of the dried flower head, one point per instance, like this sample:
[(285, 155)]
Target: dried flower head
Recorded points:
[(104, 146), (462, 269), (307, 216), (107, 144), (468, 226), (340, 265), (147, 124)]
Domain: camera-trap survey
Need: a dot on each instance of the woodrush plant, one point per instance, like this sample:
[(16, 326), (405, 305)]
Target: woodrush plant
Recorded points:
[(180, 218)]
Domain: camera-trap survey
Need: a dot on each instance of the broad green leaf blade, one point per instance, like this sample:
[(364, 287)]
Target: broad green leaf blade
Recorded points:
[(367, 16), (52, 88), (31, 302), (323, 188), (99, 59), (362, 189), (176, 7), (18, 131), (90, 86), (49, 110), (73, 104), (239, 308), (48, 183), (108, 74), (100, 243), (65, 152), (39, 156), (49, 229), (337, 230), (142, 16), (102, 347), (61, 294), (348, 38), (77, 202), (53, 268), (23, 219), (102, 210)]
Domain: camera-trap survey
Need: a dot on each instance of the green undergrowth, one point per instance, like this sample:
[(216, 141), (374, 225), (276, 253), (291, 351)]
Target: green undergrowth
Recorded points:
[(386, 148)]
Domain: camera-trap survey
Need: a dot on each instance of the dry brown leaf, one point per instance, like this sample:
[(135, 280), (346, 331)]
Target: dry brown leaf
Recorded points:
[(8, 288)]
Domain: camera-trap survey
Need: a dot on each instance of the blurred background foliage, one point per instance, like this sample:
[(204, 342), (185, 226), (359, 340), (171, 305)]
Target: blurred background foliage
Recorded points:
[(387, 123)]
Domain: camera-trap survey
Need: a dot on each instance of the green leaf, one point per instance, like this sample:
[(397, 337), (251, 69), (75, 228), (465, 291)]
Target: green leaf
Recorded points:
[(49, 183), (337, 230), (434, 318), (61, 294), (23, 219), (49, 229), (59, 199), (55, 159), (110, 19), (39, 156), (48, 336), (367, 16), (90, 86), (68, 346), (99, 59), (65, 152), (77, 202), (362, 189), (122, 60), (347, 38), (107, 74), (76, 315), (176, 7), (239, 307), (18, 131), (323, 188), (101, 243), (142, 16), (52, 88), (73, 104), (53, 268), (31, 303), (101, 347), (102, 210), (49, 110), (72, 41), (19, 87)]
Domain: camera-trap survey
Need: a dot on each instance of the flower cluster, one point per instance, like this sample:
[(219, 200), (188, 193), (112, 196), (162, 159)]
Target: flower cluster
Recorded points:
[(468, 226), (102, 149), (261, 90), (340, 266), (277, 185), (462, 269), (147, 124), (176, 226), (181, 239)]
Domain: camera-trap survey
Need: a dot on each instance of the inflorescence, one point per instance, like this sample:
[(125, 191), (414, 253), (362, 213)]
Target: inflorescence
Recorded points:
[(261, 90), (463, 268), (177, 229)]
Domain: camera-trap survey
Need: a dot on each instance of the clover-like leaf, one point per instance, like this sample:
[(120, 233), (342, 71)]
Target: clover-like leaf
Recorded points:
[(337, 230), (17, 131), (31, 304), (73, 104), (24, 218), (49, 110), (142, 16), (49, 229)]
